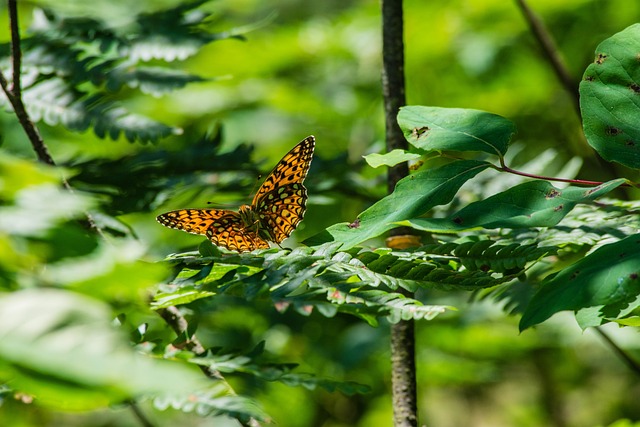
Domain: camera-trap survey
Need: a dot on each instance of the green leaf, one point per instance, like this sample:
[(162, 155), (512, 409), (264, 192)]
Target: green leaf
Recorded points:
[(62, 348), (391, 158), (610, 98), (413, 196), (607, 279), (531, 204), (27, 218), (455, 129), (18, 174), (215, 401), (156, 81)]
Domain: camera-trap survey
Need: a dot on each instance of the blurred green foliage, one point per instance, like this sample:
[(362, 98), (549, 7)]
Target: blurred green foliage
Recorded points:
[(300, 68)]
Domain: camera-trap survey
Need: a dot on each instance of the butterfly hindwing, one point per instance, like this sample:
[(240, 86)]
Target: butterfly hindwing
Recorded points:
[(282, 209), (195, 221)]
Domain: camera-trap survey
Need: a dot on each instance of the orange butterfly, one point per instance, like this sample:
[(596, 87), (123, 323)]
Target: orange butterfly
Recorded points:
[(276, 209)]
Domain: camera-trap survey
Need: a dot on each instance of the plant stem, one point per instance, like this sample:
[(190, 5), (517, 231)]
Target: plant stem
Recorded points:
[(631, 364), (142, 418), (13, 92), (551, 52), (403, 365), (180, 326)]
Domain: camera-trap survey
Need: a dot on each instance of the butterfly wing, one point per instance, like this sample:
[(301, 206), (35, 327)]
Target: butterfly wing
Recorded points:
[(221, 226), (281, 199)]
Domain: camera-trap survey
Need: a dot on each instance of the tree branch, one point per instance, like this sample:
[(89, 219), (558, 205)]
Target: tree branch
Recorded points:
[(551, 53), (403, 364), (13, 92), (180, 326), (16, 52)]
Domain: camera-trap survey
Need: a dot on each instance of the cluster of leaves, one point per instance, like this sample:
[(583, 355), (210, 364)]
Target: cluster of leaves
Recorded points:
[(73, 68), (367, 284)]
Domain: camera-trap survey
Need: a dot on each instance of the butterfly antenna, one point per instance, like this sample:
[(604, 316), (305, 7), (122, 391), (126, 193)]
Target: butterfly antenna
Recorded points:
[(256, 183)]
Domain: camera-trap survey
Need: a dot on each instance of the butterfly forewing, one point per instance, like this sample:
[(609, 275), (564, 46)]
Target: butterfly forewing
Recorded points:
[(291, 169), (281, 199), (276, 210)]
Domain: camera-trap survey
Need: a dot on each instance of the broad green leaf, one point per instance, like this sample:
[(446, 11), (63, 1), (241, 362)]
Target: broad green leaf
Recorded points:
[(531, 204), (391, 158), (26, 217), (17, 174), (455, 129), (111, 272), (610, 98), (608, 278), (62, 348), (413, 196)]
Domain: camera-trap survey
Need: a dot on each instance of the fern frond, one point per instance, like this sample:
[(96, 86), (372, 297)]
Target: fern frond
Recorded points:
[(356, 282)]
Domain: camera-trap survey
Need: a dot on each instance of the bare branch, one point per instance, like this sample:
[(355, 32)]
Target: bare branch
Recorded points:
[(403, 365), (551, 53), (16, 52), (623, 355)]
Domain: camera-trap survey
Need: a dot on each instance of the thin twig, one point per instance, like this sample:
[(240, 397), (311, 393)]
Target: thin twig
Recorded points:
[(631, 364), (142, 418), (551, 53), (13, 92), (16, 52), (180, 326)]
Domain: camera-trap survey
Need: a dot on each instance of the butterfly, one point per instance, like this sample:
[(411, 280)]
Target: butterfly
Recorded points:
[(276, 209)]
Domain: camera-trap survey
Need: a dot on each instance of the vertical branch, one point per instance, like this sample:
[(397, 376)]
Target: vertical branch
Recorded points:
[(551, 53), (393, 89)]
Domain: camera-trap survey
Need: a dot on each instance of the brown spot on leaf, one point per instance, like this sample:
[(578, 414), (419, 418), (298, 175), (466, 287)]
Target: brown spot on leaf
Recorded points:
[(458, 220), (589, 78), (558, 208), (574, 275), (552, 194), (633, 276), (612, 131), (630, 143), (635, 87), (417, 165), (601, 58)]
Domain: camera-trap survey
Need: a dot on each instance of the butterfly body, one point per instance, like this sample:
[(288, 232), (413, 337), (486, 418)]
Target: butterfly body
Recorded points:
[(276, 210)]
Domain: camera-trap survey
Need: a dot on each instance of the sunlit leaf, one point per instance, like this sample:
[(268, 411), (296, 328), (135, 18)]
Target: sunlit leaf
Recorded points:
[(391, 158), (412, 197), (455, 129), (610, 98), (531, 204), (62, 348)]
